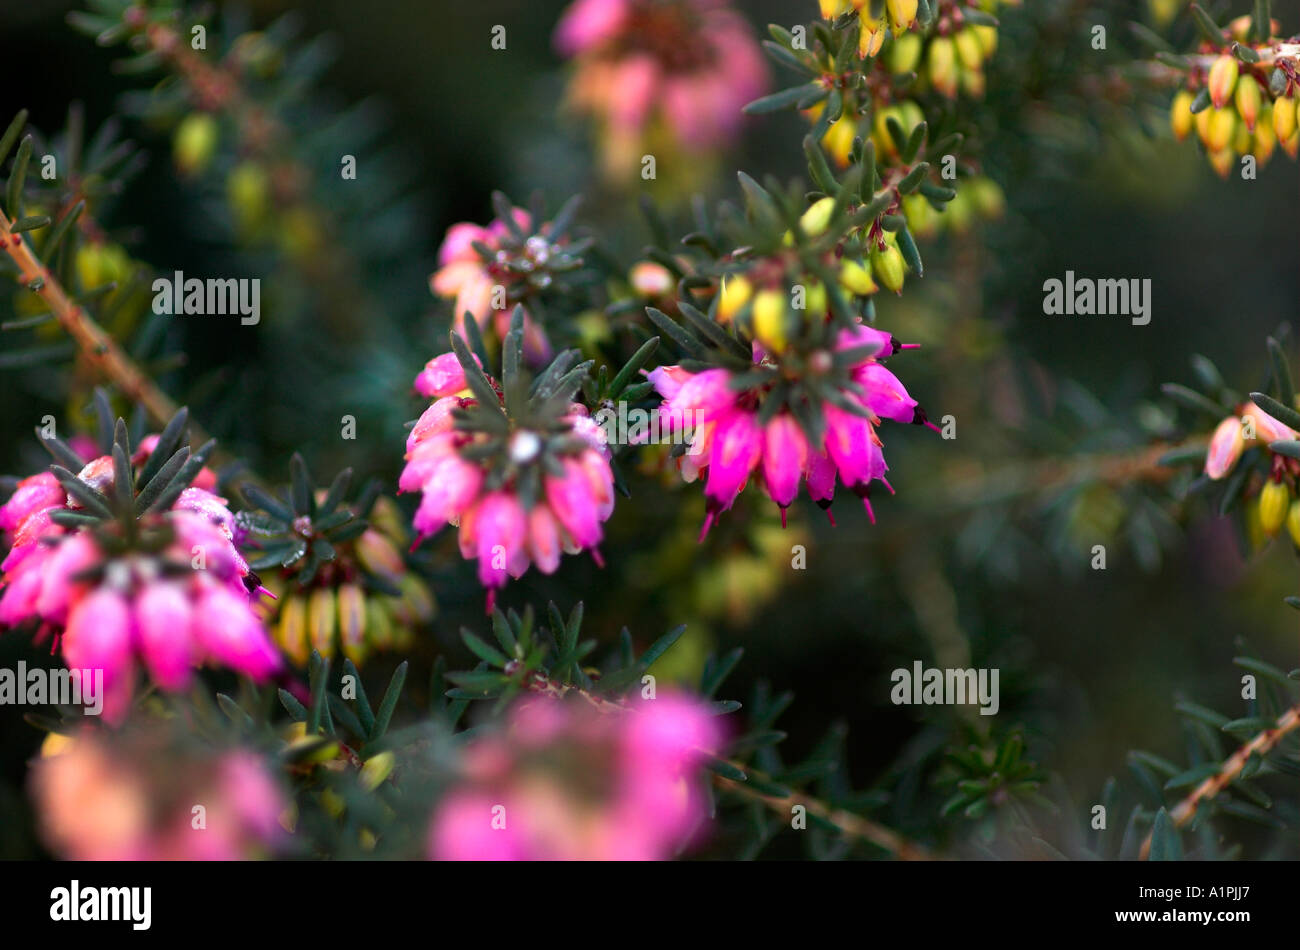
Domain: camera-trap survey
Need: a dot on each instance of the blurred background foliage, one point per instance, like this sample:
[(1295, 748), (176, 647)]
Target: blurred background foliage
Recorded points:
[(971, 564)]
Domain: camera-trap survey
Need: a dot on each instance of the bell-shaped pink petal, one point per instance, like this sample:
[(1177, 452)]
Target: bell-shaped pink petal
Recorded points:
[(785, 456), (452, 487), (98, 638), (885, 394), (74, 554), (229, 632), (737, 447), (501, 529), (571, 500), (544, 538), (442, 376), (821, 478), (163, 613), (1226, 446), (37, 493)]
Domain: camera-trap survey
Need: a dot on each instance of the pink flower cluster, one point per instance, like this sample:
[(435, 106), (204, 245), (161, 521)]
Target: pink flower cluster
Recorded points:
[(175, 612), (1250, 425), (630, 797), (470, 281), (495, 525), (101, 802), (688, 66), (730, 443)]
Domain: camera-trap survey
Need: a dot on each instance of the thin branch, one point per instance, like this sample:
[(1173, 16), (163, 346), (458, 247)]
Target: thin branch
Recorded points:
[(1260, 745), (846, 821), (96, 344)]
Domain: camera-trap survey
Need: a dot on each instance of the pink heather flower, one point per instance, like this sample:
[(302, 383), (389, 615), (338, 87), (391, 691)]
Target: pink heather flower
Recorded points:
[(442, 376), (38, 493), (729, 443), (685, 66), (494, 526), (466, 278), (130, 609), (1250, 426), (1226, 446), (164, 631), (520, 798), (736, 451), (130, 798), (589, 22), (785, 459)]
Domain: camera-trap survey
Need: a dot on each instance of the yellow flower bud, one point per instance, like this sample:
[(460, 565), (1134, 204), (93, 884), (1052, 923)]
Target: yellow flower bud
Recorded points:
[(1247, 99), (769, 319), (943, 66), (248, 192), (872, 36), (1222, 161), (817, 218), (889, 267), (194, 143), (1181, 119), (838, 140), (1264, 141), (378, 555), (972, 82), (988, 37), (922, 220), (856, 278), (1284, 117), (1274, 505), (905, 53), (969, 49), (291, 632), (322, 620), (1241, 138), (379, 621), (902, 13), (815, 301), (735, 293), (1223, 126), (1223, 80), (377, 769), (352, 620)]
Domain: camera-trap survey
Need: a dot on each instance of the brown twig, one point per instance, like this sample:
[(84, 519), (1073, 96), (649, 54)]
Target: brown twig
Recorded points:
[(95, 343), (846, 821), (1260, 745)]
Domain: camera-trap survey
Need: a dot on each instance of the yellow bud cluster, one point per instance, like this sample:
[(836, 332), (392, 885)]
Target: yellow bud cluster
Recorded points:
[(1239, 118), (339, 611)]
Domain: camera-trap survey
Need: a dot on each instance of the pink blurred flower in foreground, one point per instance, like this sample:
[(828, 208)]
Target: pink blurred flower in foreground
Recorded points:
[(133, 798), (569, 782), (172, 591), (733, 440), (652, 68)]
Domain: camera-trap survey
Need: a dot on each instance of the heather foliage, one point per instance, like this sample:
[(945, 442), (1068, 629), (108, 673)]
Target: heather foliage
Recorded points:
[(449, 648)]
